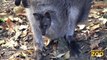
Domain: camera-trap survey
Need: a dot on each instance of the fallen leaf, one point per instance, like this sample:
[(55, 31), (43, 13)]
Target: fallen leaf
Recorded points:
[(94, 44), (24, 33), (59, 55), (67, 55), (81, 26), (17, 34), (2, 42), (18, 9), (46, 40), (10, 43), (95, 27), (29, 52), (23, 27), (3, 14), (24, 47), (10, 25)]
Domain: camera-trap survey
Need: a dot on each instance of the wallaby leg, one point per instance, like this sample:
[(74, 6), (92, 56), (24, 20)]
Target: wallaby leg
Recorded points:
[(37, 35), (73, 14)]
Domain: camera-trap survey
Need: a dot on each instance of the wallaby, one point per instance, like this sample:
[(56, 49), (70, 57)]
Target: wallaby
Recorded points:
[(56, 18)]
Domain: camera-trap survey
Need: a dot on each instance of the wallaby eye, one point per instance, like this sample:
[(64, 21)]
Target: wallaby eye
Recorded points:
[(44, 26)]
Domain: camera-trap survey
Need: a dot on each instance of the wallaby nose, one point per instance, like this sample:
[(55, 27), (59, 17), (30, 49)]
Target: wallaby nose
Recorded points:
[(43, 32)]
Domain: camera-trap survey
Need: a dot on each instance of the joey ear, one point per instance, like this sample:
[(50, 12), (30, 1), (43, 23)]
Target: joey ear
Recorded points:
[(17, 2), (47, 14), (38, 16)]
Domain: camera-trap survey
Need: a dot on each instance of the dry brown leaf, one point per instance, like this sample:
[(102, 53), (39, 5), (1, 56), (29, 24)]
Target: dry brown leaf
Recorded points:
[(100, 5), (10, 43), (104, 20), (3, 14), (67, 55), (95, 27), (2, 42), (18, 10), (18, 33), (24, 47), (24, 33), (10, 24), (29, 52), (13, 57), (46, 40), (94, 44), (59, 55), (23, 27)]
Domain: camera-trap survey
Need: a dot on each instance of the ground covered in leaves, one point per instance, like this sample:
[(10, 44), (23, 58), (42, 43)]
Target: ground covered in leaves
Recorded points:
[(16, 36)]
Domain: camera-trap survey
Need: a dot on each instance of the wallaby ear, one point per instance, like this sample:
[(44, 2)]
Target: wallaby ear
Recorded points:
[(47, 18), (25, 3), (17, 2), (38, 16)]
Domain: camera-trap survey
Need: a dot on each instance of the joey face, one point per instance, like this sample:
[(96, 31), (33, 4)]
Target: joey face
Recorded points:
[(44, 21)]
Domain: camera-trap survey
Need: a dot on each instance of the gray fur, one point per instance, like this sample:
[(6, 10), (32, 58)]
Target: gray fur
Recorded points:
[(65, 16)]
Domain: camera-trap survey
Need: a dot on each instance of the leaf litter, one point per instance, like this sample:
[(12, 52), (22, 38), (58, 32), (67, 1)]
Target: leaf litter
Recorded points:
[(16, 41)]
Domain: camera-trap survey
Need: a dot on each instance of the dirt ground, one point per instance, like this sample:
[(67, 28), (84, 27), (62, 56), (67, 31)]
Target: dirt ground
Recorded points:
[(16, 41)]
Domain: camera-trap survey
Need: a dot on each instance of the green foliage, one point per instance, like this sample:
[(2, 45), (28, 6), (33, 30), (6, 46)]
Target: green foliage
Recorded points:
[(2, 20)]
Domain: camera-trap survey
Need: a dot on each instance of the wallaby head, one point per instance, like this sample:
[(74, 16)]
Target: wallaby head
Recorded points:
[(44, 20)]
